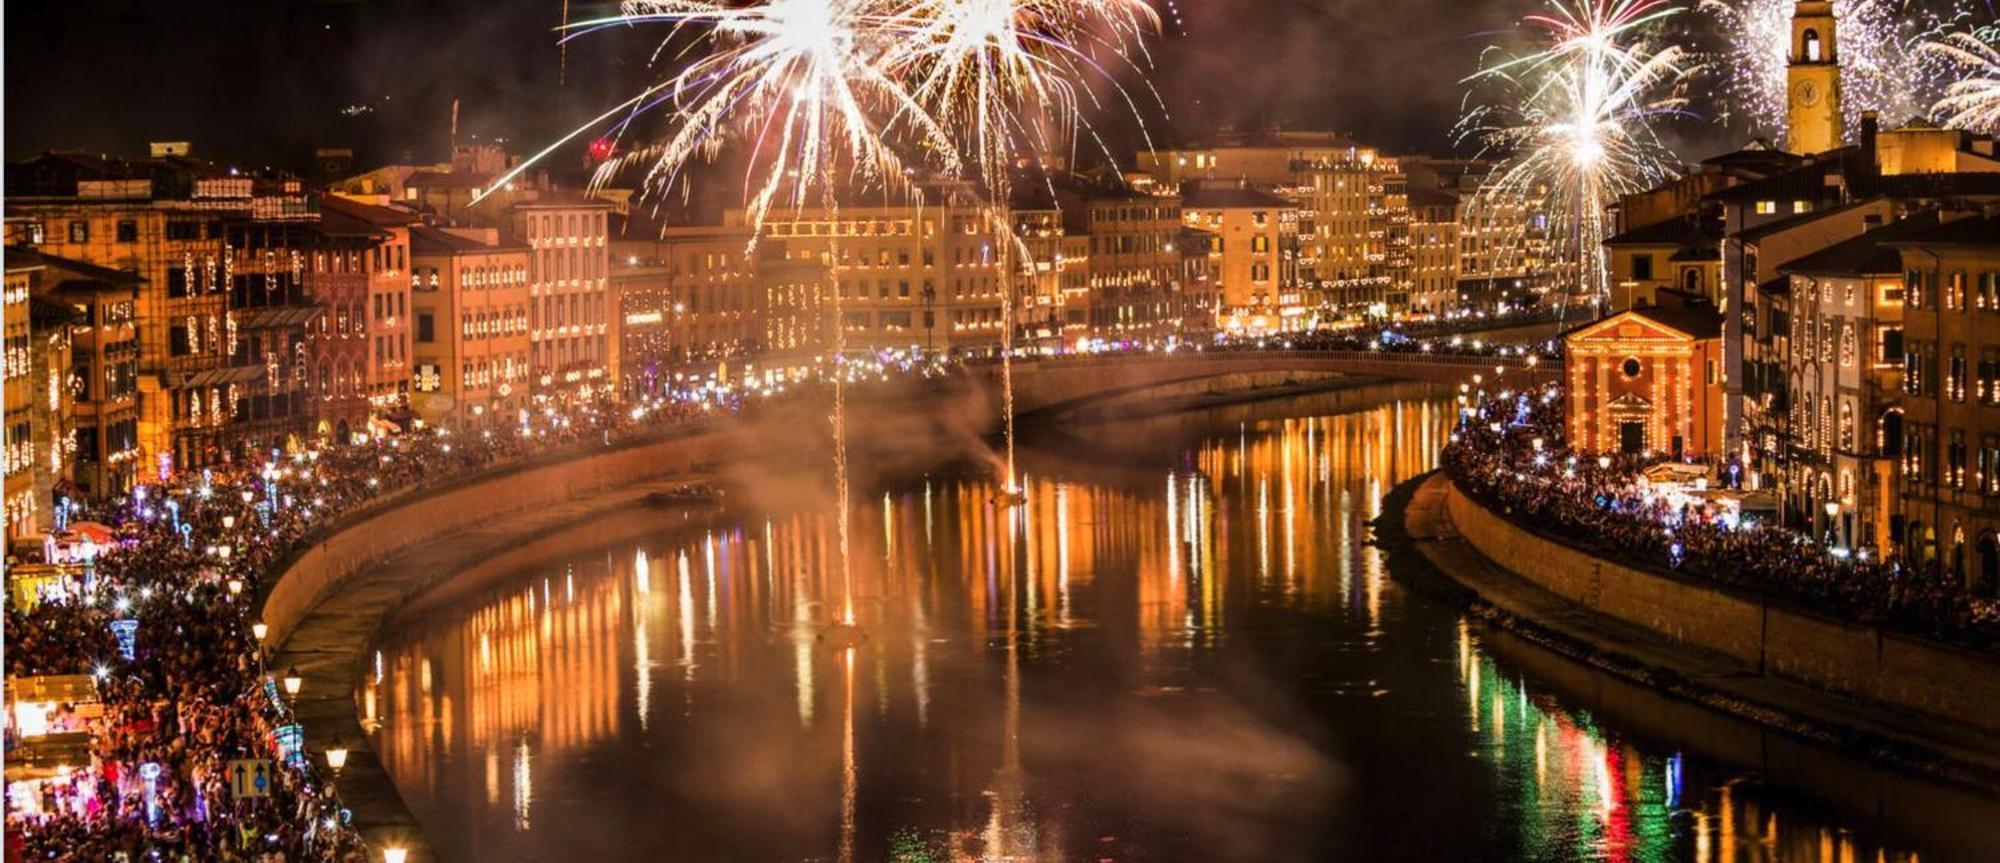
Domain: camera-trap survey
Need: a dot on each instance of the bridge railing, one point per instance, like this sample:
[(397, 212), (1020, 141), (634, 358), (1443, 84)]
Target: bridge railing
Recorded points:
[(1466, 361)]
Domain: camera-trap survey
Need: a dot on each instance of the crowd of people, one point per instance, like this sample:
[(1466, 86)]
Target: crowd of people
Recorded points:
[(191, 691), (1507, 452)]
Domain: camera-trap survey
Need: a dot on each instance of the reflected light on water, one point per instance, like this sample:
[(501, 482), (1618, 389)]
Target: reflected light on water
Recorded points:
[(1181, 644)]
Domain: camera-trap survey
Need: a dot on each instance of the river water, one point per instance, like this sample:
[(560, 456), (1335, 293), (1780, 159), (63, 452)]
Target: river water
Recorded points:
[(1181, 647)]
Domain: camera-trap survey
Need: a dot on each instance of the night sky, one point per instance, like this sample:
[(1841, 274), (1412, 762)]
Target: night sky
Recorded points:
[(266, 81)]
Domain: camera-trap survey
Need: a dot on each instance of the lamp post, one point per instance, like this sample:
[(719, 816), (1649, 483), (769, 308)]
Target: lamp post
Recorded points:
[(336, 755), (260, 629), (293, 681), (395, 854), (1832, 524)]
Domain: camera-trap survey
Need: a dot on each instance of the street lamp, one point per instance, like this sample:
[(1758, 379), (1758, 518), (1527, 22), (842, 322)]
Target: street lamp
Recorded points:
[(229, 522), (260, 629), (336, 755), (235, 586), (293, 681), (1832, 523), (394, 854)]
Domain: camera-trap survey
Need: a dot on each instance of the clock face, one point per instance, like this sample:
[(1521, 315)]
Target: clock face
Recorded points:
[(1807, 94)]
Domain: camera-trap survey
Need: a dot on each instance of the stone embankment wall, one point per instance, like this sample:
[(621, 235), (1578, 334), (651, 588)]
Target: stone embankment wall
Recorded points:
[(373, 536), (1769, 636)]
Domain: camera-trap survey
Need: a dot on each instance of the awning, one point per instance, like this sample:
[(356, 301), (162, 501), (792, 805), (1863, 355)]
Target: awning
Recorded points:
[(47, 756), (61, 688), (97, 532), (282, 316), (218, 377)]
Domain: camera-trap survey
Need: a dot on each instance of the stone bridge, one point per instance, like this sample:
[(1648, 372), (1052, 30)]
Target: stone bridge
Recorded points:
[(1048, 387)]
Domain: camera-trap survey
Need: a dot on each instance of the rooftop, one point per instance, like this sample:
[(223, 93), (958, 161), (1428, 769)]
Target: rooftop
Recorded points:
[(1212, 197), (1864, 255), (1981, 232)]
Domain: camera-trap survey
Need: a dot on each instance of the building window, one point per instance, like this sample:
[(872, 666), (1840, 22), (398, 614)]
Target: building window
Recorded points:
[(1954, 382), (79, 231), (1766, 208), (1989, 377), (128, 231), (1642, 267), (1955, 460), (1631, 367)]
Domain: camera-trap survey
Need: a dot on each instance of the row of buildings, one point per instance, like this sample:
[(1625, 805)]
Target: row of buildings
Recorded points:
[(1826, 319), (168, 314), (214, 314)]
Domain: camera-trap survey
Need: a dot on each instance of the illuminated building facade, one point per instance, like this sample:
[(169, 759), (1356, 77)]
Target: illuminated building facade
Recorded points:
[(1253, 239), (1951, 395), (379, 316), (1133, 288), (1434, 254), (1353, 203), (221, 315), (470, 343), (1842, 308), (85, 406), (29, 352), (571, 344), (338, 344), (1647, 380), (920, 274)]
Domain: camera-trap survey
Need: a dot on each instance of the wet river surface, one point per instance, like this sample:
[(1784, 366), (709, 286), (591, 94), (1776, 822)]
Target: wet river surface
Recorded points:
[(1181, 647)]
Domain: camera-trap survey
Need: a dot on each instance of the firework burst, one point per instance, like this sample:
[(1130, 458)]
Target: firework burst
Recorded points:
[(1883, 67), (1574, 124), (1973, 101)]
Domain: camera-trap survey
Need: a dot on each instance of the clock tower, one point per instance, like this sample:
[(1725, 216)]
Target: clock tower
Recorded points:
[(1813, 81)]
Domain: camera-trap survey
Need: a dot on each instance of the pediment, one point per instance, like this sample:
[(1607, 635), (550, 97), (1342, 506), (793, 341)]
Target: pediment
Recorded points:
[(1626, 328)]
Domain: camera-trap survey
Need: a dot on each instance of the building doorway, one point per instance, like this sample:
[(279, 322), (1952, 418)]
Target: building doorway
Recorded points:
[(1989, 566), (1631, 437)]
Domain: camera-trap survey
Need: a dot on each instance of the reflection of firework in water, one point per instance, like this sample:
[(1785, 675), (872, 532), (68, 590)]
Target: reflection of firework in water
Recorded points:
[(1575, 120), (1973, 100), (1882, 67)]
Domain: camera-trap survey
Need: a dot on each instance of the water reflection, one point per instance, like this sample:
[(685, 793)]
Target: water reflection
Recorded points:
[(1180, 647)]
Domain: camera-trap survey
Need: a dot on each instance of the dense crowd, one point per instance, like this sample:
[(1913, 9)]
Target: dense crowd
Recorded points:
[(1507, 452), (194, 694)]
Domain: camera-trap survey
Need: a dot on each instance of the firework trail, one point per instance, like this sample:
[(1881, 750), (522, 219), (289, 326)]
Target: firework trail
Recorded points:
[(1003, 77), (1971, 102), (827, 94), (1574, 122)]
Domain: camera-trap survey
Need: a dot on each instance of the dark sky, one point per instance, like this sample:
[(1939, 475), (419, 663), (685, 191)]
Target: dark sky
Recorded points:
[(265, 81), (259, 81)]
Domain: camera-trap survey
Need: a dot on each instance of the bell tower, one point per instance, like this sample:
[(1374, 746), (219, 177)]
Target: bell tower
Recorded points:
[(1813, 81)]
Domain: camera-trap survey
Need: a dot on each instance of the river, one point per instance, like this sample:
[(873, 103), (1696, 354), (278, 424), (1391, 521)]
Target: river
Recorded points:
[(1182, 646)]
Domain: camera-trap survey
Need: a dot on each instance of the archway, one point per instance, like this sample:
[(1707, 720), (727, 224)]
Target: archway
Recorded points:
[(1988, 582)]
